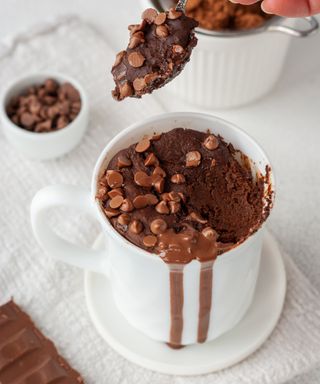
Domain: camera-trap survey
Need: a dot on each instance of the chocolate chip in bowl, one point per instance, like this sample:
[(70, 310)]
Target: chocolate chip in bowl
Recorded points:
[(158, 50), (44, 116)]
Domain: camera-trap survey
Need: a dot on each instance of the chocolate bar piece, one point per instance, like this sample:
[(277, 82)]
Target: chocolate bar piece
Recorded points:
[(26, 355)]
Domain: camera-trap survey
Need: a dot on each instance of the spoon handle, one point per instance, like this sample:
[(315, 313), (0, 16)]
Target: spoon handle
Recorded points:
[(181, 6)]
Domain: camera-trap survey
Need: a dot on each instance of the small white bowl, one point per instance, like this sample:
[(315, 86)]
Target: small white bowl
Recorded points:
[(49, 145)]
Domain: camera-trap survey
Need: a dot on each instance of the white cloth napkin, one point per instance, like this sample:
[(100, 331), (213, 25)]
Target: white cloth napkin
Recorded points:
[(52, 292)]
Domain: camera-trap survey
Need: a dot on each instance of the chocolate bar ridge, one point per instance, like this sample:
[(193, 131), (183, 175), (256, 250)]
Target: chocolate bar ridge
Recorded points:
[(26, 355)]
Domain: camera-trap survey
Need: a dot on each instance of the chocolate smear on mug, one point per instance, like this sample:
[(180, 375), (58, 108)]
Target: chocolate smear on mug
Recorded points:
[(183, 208)]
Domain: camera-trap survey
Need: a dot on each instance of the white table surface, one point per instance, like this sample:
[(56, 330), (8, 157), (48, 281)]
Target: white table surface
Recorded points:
[(286, 123)]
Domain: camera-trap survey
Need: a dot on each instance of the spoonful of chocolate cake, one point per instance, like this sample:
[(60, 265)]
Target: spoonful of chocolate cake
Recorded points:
[(157, 52)]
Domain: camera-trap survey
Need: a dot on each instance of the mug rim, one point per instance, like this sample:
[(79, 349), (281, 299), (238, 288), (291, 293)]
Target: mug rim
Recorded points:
[(173, 115)]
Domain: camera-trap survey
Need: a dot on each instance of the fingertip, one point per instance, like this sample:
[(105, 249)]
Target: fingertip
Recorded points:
[(266, 8)]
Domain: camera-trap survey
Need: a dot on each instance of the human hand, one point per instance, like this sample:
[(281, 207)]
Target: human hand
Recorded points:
[(289, 8)]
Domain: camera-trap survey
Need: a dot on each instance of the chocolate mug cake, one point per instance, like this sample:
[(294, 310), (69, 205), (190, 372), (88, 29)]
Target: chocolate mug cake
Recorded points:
[(185, 195)]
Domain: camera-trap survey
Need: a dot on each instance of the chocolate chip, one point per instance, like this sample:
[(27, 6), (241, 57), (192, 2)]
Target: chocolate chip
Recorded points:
[(173, 14), (156, 137), (62, 122), (124, 162), (193, 216), (50, 86), (178, 178), (53, 111), (152, 199), (119, 58), (140, 202), (159, 185), (161, 18), (139, 84), (165, 197), (159, 171), (162, 31), (116, 202), (158, 226), (149, 241), (211, 143), (49, 100), (162, 208), (177, 49), (193, 159), (174, 207), (101, 193), (136, 39), (103, 182), (124, 219), (150, 77), (111, 212), (45, 126), (27, 120), (142, 179), (136, 59), (136, 226), (127, 206), (41, 92), (114, 179), (143, 146), (210, 233), (35, 107), (115, 192), (133, 28), (68, 91), (151, 160), (149, 15), (44, 112), (126, 90), (174, 196)]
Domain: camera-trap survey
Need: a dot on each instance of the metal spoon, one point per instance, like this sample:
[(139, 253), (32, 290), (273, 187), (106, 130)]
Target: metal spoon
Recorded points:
[(181, 6)]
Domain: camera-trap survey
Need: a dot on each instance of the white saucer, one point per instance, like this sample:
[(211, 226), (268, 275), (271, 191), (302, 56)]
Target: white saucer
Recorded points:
[(227, 350)]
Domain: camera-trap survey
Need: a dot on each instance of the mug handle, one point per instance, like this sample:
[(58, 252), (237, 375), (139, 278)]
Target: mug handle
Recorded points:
[(313, 27), (57, 247)]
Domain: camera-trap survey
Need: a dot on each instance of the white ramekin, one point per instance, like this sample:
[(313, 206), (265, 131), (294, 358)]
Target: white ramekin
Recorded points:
[(43, 146), (140, 280), (229, 69)]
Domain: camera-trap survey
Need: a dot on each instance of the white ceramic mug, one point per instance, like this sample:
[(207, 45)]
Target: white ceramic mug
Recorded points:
[(139, 279)]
